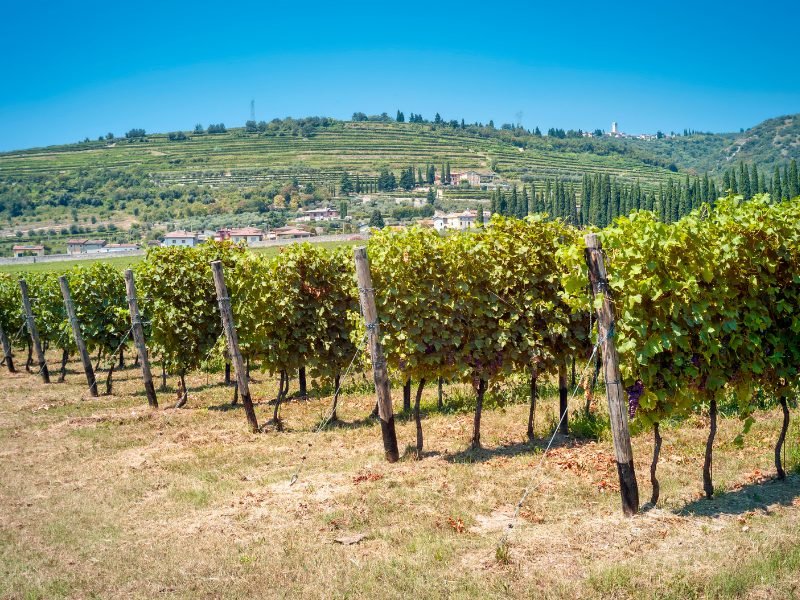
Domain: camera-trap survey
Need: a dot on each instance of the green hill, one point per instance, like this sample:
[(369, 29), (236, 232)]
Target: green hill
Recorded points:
[(774, 142), (196, 179)]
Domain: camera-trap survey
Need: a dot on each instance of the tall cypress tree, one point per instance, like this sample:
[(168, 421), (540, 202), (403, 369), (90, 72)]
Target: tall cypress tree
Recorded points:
[(794, 180), (512, 204), (744, 181), (524, 207), (777, 188), (754, 180), (502, 206)]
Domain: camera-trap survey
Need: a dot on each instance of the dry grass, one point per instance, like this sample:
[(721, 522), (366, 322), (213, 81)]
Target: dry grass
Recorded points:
[(105, 498)]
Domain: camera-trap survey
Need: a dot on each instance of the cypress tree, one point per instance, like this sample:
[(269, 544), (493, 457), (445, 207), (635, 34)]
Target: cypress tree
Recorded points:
[(794, 180), (502, 206), (493, 206), (744, 180), (777, 189), (512, 205), (524, 207), (726, 181), (787, 188), (754, 185), (734, 183)]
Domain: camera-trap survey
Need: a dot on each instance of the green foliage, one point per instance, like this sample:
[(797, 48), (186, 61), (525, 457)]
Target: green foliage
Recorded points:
[(707, 306), (296, 309), (471, 305), (98, 294), (180, 302)]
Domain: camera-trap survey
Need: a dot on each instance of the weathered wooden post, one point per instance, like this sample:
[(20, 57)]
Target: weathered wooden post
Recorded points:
[(76, 332), (37, 345), (233, 343), (7, 356), (138, 339), (379, 372), (617, 407), (563, 395)]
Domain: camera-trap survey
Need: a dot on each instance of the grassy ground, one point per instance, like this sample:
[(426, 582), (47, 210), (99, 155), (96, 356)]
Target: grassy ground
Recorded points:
[(105, 498), (123, 262)]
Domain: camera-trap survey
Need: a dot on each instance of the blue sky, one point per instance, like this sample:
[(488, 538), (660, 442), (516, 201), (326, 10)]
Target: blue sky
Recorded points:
[(77, 69)]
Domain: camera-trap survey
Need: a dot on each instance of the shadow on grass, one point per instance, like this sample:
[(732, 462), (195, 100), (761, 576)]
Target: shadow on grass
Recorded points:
[(528, 447), (754, 496)]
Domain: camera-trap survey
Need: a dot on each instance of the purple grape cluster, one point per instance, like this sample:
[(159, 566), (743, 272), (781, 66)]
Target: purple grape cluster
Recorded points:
[(634, 393)]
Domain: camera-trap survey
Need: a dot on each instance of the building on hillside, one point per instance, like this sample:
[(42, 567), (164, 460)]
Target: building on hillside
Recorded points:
[(614, 130), (473, 178), (319, 214), (458, 221), (185, 239), (76, 245), (93, 246), (21, 250), (248, 235), (284, 233), (119, 247)]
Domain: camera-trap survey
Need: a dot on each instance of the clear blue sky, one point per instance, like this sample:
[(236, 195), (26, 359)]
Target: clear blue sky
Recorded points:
[(76, 69)]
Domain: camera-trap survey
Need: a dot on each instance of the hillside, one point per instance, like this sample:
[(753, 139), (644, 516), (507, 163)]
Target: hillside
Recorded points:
[(262, 176), (242, 158), (772, 143)]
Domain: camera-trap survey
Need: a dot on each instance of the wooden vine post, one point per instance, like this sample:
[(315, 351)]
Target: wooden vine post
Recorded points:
[(233, 343), (563, 399), (7, 357), (76, 332), (138, 339), (380, 374), (37, 345), (617, 406)]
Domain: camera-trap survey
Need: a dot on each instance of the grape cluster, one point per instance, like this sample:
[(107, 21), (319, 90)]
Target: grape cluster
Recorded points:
[(634, 393)]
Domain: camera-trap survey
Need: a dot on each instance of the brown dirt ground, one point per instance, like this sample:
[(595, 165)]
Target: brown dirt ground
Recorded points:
[(106, 498)]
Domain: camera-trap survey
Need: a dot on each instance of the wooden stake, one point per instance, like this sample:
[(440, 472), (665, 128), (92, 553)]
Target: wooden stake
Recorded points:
[(617, 406), (76, 332), (138, 339), (7, 356), (563, 396), (379, 372), (34, 333), (233, 343)]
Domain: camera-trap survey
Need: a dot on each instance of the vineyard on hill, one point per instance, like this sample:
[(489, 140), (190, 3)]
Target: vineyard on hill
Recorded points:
[(707, 313)]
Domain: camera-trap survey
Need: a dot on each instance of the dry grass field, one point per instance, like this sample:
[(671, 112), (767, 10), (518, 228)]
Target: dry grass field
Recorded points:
[(104, 498)]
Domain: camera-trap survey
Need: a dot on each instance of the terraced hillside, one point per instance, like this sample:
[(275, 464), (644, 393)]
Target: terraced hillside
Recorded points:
[(243, 159), (774, 142)]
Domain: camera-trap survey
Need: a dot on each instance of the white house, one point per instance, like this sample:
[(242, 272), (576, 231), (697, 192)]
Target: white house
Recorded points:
[(118, 247), (185, 239), (94, 246), (319, 214), (246, 235), (459, 221), (20, 251)]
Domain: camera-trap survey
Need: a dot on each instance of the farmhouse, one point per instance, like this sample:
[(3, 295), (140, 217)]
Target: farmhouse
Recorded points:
[(474, 178), (119, 247), (283, 233), (460, 221), (94, 245), (246, 235), (186, 239), (19, 251), (75, 245), (84, 246), (319, 214)]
